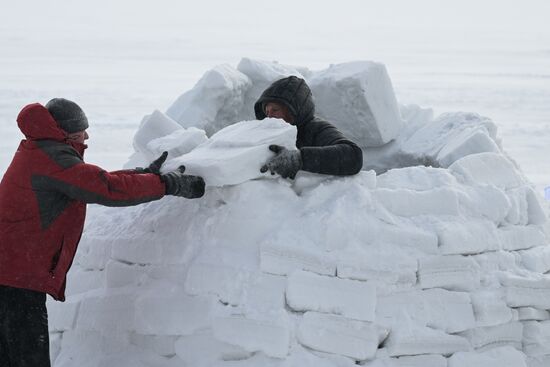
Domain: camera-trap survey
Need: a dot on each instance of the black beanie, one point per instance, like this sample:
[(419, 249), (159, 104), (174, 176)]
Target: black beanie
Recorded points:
[(68, 115)]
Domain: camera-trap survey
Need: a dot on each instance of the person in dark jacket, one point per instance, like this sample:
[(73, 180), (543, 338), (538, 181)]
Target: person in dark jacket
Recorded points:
[(43, 197), (321, 147)]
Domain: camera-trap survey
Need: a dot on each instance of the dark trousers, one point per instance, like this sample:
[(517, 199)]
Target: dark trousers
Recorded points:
[(24, 340)]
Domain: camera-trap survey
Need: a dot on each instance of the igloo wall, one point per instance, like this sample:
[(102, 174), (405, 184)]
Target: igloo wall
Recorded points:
[(439, 261)]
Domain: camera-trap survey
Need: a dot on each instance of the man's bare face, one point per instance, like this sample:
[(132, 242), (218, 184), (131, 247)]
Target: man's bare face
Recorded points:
[(78, 137), (278, 111)]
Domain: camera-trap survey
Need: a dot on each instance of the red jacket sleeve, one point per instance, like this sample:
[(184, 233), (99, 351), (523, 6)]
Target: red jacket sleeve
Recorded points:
[(91, 184)]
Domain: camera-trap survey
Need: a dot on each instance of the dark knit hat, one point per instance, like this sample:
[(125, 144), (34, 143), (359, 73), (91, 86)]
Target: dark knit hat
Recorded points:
[(68, 115)]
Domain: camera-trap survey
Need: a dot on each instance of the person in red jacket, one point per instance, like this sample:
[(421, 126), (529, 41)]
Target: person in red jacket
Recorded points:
[(43, 197)]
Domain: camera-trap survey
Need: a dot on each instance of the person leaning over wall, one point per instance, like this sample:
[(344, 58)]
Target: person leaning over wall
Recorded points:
[(43, 197), (321, 147)]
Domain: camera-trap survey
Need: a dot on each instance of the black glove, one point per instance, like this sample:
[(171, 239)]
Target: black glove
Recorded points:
[(154, 167), (286, 162), (187, 186)]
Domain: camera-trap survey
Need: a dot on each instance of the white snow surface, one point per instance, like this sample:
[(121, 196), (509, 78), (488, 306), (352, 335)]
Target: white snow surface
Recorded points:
[(414, 266)]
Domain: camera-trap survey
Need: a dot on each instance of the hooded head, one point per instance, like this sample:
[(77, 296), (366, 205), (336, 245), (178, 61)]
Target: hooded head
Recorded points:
[(68, 115), (292, 92)]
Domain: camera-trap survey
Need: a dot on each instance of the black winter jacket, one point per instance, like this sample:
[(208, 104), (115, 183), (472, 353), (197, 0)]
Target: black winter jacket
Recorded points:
[(324, 149)]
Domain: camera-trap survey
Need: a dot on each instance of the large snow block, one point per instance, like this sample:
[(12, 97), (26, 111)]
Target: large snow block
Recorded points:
[(284, 259), (118, 274), (226, 282), (536, 338), (536, 259), (496, 357), (418, 178), (202, 350), (448, 134), (308, 291), (270, 336), (424, 360), (109, 313), (162, 313), (358, 98), (236, 153), (409, 203), (163, 345), (338, 335), (214, 102), (532, 314), (488, 337), (484, 201), (455, 272), (153, 126), (424, 340), (490, 309), (523, 291), (62, 315), (389, 265), (470, 237), (522, 237), (465, 143), (487, 168), (265, 293), (179, 142), (437, 308)]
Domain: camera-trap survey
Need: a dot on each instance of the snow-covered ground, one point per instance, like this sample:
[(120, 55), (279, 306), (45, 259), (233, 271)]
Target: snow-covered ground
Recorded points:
[(415, 267)]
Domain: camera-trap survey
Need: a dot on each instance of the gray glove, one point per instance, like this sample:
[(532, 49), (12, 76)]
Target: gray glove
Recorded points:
[(154, 167), (286, 162), (187, 186)]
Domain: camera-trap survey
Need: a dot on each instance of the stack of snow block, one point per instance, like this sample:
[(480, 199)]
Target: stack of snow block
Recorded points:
[(419, 266)]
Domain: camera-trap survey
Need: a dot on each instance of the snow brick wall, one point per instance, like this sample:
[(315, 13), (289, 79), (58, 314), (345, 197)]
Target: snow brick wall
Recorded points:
[(440, 260)]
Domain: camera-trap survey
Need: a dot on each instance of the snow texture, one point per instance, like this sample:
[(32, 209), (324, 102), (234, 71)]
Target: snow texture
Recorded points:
[(435, 255)]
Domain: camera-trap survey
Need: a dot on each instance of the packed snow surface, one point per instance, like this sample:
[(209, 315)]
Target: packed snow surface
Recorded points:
[(435, 255)]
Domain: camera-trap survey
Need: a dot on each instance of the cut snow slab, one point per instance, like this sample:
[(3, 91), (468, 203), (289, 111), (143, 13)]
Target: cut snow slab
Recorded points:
[(358, 98), (236, 154)]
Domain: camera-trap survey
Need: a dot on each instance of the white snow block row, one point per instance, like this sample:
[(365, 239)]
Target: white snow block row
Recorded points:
[(353, 299), (225, 282), (541, 361), (469, 237), (425, 360), (390, 266), (358, 98), (437, 308), (523, 237), (416, 340), (236, 153), (80, 281), (163, 345), (488, 337), (214, 102), (284, 259), (203, 349), (485, 201), (455, 272), (418, 178), (410, 203), (465, 143), (270, 336), (532, 314), (430, 139), (490, 309), (522, 291), (153, 126), (265, 293), (496, 357), (62, 315), (487, 169), (118, 274), (338, 335), (536, 259), (108, 313), (536, 338), (171, 313)]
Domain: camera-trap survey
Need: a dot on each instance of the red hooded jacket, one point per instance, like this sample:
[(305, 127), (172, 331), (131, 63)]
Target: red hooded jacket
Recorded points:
[(43, 197)]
